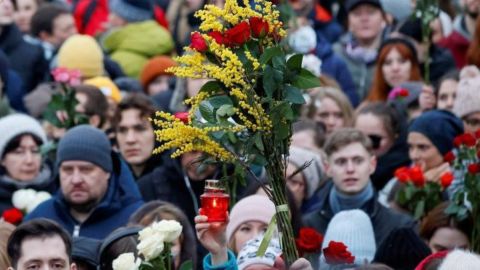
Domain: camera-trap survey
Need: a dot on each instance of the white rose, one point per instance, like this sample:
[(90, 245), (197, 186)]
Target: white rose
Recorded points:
[(40, 197), (23, 197), (170, 229), (126, 261), (151, 243)]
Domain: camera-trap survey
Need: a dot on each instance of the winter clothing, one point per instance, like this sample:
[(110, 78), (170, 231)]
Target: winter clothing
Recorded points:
[(352, 4), (85, 250), (231, 264), (85, 143), (403, 250), (354, 229), (37, 101), (155, 67), (383, 220), (468, 97), (132, 10), (447, 126), (458, 41), (425, 262), (247, 256), (12, 84), (459, 259), (399, 9), (90, 16), (108, 88), (324, 23), (339, 201), (128, 85), (247, 210), (133, 45), (121, 200), (83, 53), (313, 173), (335, 67), (17, 124), (24, 58)]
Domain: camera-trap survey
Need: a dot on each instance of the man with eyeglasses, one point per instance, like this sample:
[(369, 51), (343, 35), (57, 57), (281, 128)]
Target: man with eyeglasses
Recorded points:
[(467, 102), (350, 162)]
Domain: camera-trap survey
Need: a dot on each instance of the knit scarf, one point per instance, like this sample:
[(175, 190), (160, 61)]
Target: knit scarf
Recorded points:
[(339, 202)]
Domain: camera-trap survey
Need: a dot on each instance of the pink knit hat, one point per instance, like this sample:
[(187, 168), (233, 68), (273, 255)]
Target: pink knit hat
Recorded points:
[(251, 208)]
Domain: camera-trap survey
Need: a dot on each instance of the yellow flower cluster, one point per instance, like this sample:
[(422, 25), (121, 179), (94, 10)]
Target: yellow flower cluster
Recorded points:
[(173, 133), (252, 59)]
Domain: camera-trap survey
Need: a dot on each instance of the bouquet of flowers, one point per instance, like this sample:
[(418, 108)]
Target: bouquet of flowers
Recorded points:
[(154, 247), (466, 158), (24, 202), (419, 196), (243, 115)]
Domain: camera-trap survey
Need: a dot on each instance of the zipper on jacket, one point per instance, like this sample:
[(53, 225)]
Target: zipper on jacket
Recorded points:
[(76, 231)]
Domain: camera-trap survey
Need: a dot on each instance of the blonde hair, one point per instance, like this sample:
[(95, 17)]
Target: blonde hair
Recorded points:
[(339, 98)]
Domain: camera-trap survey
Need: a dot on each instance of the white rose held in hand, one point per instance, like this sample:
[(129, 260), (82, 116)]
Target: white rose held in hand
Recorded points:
[(126, 261), (171, 229), (151, 243), (23, 197)]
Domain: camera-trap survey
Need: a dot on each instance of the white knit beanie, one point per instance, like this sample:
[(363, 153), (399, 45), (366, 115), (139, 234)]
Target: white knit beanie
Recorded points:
[(313, 173), (468, 93), (460, 260), (355, 230), (16, 124)]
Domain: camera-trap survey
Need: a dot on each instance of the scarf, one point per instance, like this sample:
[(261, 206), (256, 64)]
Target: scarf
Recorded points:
[(339, 202)]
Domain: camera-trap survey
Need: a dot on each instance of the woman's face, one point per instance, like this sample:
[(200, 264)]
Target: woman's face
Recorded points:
[(296, 183), (24, 13), (248, 231), (447, 94), (422, 152), (396, 69), (448, 239), (23, 163), (471, 122), (372, 126), (176, 250), (330, 114)]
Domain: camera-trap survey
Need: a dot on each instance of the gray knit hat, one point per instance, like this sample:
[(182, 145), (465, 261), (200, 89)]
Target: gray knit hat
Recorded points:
[(132, 10), (13, 125), (86, 143), (313, 173)]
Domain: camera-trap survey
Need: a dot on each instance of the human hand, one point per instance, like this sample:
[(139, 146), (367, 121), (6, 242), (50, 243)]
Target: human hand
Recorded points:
[(434, 174), (300, 264), (213, 237), (427, 99)]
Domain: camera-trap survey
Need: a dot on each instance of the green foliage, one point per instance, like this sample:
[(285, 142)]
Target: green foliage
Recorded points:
[(64, 102), (419, 200)]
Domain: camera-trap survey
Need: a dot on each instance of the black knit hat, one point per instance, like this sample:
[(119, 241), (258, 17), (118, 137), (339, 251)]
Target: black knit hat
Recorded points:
[(402, 250), (351, 4), (412, 28), (396, 40)]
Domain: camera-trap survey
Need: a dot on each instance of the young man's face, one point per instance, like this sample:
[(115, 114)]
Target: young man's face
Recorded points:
[(44, 253), (63, 28), (366, 22), (350, 168)]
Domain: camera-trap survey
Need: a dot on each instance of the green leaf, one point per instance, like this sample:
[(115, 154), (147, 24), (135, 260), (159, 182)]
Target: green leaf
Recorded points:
[(206, 111), (295, 62), (294, 95), (211, 87), (306, 80), (267, 237), (218, 101), (278, 62), (225, 110), (268, 81), (258, 142), (187, 265), (419, 210), (269, 53)]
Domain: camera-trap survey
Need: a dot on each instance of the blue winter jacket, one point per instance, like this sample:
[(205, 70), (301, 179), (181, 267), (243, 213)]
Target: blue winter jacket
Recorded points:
[(119, 202), (335, 67)]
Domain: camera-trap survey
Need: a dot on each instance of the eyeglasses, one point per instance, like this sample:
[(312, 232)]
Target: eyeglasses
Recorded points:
[(376, 140)]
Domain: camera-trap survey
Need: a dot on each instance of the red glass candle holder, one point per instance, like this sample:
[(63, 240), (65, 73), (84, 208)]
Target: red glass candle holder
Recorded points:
[(214, 202)]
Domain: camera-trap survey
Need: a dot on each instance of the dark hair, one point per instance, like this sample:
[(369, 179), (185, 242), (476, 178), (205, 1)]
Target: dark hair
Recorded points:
[(38, 2), (386, 114), (96, 104), (453, 74), (15, 143), (346, 136), (155, 211), (122, 240), (437, 218), (42, 20), (37, 228), (137, 101), (318, 129)]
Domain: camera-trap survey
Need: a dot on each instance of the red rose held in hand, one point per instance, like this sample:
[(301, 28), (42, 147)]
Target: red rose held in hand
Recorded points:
[(458, 141), (259, 27), (337, 253), (309, 241), (469, 140), (449, 157), (198, 43), (402, 174), (182, 116), (238, 35), (446, 179), (416, 176), (403, 93), (13, 216)]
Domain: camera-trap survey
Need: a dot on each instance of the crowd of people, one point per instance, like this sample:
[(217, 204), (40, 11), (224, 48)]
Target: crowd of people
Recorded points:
[(390, 97)]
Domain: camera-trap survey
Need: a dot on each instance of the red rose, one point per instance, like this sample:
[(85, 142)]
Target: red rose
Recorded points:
[(309, 241), (477, 134), (446, 179), (402, 174), (473, 168), (13, 216), (259, 27), (198, 43), (218, 37), (416, 176), (182, 116), (458, 141), (469, 140), (449, 157), (337, 253), (238, 35), (403, 93)]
